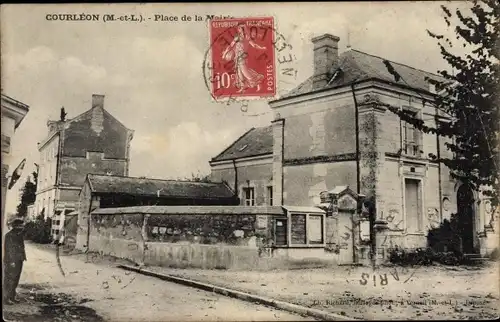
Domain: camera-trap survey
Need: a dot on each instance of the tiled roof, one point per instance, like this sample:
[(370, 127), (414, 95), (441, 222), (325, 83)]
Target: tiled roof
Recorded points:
[(257, 141), (358, 66), (153, 187)]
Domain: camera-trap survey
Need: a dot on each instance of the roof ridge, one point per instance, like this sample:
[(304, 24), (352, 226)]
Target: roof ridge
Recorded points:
[(234, 143), (394, 62), (154, 179), (355, 64)]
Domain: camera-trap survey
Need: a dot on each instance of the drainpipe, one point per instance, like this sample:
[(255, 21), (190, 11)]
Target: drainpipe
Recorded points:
[(358, 172), (282, 161), (438, 150), (88, 225), (58, 161), (235, 178)]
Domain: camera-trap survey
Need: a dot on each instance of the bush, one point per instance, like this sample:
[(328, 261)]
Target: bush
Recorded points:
[(424, 257), (38, 230), (446, 237)]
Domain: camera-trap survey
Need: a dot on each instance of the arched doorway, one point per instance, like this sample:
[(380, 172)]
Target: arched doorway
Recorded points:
[(466, 216)]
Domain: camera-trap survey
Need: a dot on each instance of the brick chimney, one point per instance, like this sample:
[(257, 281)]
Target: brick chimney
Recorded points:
[(326, 55), (97, 100), (97, 113)]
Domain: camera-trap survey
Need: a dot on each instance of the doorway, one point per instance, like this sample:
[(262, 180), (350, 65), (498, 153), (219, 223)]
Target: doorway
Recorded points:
[(465, 217)]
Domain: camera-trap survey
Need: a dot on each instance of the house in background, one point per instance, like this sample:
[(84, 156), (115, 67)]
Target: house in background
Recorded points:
[(92, 142), (109, 191), (335, 129), (13, 113), (247, 166)]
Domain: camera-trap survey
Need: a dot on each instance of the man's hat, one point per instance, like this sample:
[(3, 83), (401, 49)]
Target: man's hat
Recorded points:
[(17, 222)]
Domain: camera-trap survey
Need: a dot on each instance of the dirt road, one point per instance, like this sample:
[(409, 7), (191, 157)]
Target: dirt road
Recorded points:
[(101, 292)]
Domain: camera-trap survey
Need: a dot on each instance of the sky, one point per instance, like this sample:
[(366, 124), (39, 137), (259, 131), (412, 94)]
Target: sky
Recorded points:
[(151, 72)]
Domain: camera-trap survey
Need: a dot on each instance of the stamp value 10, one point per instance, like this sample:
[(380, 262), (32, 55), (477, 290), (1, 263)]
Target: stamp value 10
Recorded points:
[(242, 58)]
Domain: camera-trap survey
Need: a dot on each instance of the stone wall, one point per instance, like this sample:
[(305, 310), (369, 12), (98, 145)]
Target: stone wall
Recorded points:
[(96, 129), (203, 241), (74, 170), (84, 205), (327, 132)]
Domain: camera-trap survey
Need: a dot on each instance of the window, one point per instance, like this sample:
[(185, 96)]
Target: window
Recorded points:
[(280, 233), (411, 137), (270, 195), (307, 229), (413, 205), (315, 229), (249, 195), (298, 229)]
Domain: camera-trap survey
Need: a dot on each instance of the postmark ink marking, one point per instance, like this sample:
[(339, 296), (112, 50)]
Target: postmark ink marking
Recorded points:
[(257, 34)]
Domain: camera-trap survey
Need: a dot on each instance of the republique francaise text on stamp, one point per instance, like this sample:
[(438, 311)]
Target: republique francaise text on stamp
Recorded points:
[(242, 58)]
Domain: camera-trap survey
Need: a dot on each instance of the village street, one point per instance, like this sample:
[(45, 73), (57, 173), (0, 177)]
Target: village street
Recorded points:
[(101, 292)]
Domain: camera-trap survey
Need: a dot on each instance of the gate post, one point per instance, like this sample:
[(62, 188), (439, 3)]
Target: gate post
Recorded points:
[(342, 203)]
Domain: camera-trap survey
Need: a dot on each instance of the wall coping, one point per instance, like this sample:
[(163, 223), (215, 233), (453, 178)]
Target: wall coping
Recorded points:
[(193, 210)]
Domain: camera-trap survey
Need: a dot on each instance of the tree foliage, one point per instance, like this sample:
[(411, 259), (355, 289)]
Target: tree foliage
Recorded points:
[(28, 195), (38, 230), (199, 178), (468, 98)]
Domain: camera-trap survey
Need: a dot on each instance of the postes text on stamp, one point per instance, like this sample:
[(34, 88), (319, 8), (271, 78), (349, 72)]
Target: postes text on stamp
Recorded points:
[(242, 58)]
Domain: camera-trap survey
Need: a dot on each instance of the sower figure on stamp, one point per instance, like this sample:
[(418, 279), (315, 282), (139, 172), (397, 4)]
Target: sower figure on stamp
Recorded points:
[(237, 51), (14, 257)]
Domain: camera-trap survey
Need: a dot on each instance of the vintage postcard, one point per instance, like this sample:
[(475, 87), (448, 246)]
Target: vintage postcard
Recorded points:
[(250, 161)]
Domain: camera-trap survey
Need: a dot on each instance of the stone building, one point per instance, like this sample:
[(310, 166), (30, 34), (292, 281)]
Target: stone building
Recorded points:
[(13, 113), (110, 191), (247, 167), (92, 142), (335, 129)]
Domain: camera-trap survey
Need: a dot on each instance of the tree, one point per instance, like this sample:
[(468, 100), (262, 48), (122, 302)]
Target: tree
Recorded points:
[(200, 178), (28, 195), (469, 97)]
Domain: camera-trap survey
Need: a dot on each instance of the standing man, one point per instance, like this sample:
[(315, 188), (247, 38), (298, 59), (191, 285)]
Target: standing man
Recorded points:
[(15, 255)]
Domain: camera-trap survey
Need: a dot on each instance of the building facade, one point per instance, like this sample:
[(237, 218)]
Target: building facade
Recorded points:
[(93, 142), (13, 112), (336, 129), (247, 166)]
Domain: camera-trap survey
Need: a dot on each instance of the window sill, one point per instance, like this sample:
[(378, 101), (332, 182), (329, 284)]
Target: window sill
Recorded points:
[(302, 246), (418, 233)]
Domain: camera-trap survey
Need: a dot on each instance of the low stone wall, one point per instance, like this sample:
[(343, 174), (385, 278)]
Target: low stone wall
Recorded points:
[(214, 241), (184, 255), (118, 247)]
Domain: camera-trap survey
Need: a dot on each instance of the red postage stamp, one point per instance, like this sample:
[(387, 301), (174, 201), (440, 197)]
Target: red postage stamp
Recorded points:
[(242, 58)]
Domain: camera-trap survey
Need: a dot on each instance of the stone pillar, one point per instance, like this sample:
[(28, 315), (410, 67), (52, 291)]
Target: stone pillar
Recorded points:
[(343, 225), (278, 139), (381, 245)]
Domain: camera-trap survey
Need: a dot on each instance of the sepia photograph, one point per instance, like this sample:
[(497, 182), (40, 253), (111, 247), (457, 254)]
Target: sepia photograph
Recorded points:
[(295, 161)]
